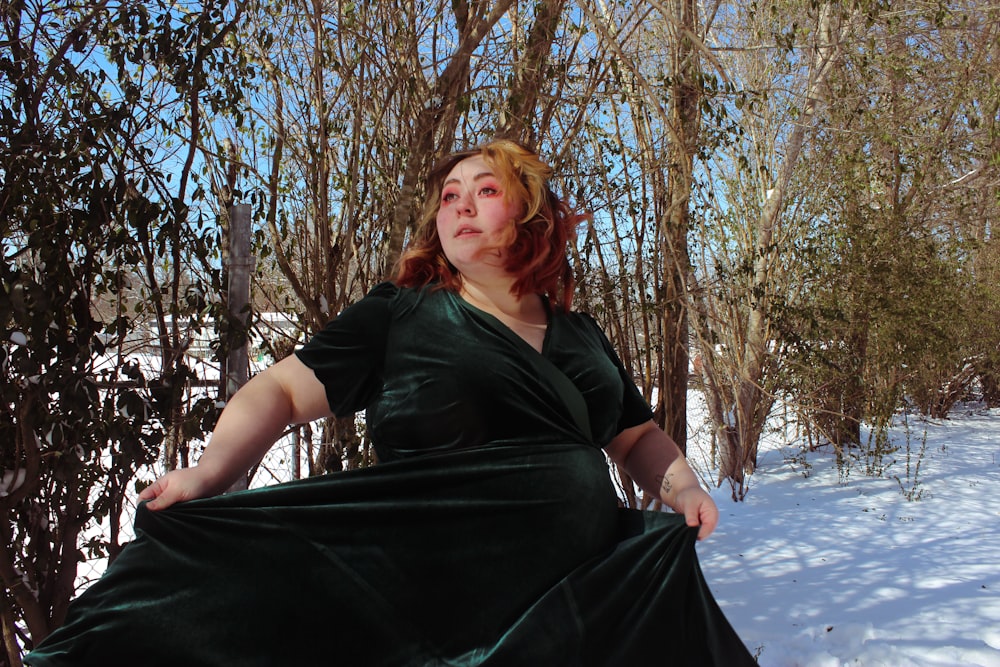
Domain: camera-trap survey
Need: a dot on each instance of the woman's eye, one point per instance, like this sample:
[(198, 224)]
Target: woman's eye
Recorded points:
[(449, 196), (489, 191)]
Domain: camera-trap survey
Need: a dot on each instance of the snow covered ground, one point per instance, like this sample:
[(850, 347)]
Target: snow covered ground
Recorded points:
[(822, 567)]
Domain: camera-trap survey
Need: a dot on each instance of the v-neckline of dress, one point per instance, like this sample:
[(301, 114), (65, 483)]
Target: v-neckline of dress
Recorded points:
[(560, 383), (509, 332)]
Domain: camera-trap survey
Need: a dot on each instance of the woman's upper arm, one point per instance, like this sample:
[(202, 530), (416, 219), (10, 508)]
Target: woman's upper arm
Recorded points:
[(621, 445), (347, 357), (305, 393)]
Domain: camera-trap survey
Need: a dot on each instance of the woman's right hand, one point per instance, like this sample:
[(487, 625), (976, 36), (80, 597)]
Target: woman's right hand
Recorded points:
[(177, 486)]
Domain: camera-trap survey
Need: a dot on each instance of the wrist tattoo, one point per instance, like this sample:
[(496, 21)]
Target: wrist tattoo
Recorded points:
[(666, 485)]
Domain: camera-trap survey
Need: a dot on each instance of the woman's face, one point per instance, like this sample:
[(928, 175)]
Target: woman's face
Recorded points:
[(474, 217)]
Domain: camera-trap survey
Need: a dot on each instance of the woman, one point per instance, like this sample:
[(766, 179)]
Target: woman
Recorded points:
[(489, 534)]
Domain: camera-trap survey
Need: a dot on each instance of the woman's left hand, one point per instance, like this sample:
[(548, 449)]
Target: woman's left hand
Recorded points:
[(698, 509)]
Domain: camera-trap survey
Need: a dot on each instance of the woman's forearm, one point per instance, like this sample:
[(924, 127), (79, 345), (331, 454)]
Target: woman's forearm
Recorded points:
[(251, 422), (655, 462), (678, 477), (658, 466), (287, 392)]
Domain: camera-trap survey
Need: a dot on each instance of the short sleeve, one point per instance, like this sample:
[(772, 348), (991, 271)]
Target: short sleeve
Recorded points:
[(348, 355), (635, 409)]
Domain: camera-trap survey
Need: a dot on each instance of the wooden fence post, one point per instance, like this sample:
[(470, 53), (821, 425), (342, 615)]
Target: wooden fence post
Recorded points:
[(240, 267)]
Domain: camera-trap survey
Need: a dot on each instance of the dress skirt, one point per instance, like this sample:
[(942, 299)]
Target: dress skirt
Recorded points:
[(500, 556)]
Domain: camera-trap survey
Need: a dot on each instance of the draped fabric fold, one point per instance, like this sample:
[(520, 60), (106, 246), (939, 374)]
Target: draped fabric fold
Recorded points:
[(403, 564)]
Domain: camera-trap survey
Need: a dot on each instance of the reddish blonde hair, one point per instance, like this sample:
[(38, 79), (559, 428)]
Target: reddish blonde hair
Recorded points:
[(538, 241)]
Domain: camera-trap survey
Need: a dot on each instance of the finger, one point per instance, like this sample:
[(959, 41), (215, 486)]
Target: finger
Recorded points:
[(695, 510), (159, 494), (709, 521), (692, 514), (151, 491), (161, 502)]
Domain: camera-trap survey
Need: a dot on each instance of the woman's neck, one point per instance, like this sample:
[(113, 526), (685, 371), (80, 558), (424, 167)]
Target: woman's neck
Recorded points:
[(498, 299)]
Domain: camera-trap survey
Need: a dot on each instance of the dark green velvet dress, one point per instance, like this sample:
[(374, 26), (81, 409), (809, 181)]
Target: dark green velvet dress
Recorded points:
[(488, 535)]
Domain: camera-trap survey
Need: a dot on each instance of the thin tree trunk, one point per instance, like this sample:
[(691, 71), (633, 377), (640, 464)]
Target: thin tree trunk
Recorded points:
[(437, 117), (751, 402), (518, 113), (685, 117)]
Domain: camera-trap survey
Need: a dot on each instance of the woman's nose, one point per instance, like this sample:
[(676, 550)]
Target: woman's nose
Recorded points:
[(466, 206)]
